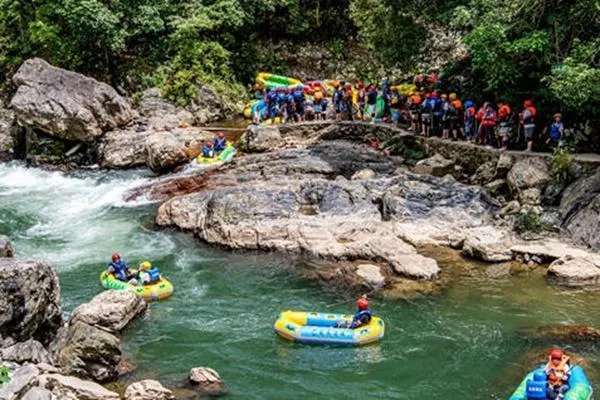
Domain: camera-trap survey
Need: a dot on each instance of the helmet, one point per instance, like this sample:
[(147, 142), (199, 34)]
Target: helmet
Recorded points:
[(452, 96), (444, 96), (221, 135), (557, 115), (145, 265), (556, 354), (434, 94), (362, 303), (528, 103), (116, 257), (469, 103), (208, 144), (428, 95)]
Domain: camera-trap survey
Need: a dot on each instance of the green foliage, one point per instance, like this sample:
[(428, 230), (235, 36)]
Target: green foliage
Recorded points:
[(530, 221), (4, 375), (560, 164)]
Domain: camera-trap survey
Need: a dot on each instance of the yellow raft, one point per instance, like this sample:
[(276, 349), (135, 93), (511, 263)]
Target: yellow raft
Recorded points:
[(320, 328), (154, 292)]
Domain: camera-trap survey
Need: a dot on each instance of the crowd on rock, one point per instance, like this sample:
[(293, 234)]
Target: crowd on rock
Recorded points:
[(425, 111)]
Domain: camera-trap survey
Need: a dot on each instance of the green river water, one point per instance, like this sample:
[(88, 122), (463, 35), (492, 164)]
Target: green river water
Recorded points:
[(465, 343)]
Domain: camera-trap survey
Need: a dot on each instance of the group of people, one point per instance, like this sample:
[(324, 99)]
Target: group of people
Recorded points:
[(214, 148), (425, 112), (145, 275)]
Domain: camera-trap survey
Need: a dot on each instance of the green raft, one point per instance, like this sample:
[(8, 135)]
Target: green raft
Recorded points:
[(226, 155), (154, 292)]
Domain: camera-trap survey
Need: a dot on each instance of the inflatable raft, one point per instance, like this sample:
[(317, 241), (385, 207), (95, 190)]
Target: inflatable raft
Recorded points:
[(155, 292), (320, 328), (272, 81), (534, 384), (226, 155)]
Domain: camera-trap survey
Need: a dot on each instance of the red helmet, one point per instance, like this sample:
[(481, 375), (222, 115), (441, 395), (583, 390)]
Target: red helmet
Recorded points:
[(116, 257), (528, 103), (556, 354), (362, 303), (221, 135), (208, 144)]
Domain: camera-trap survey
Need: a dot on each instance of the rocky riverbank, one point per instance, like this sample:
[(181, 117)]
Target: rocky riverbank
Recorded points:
[(48, 358)]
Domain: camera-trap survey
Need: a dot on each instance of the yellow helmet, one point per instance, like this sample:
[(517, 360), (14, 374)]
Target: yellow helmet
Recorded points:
[(145, 265), (452, 96), (443, 96)]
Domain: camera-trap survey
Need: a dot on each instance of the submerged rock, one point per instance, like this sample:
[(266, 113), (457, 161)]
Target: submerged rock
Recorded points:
[(111, 310), (206, 380), (6, 248), (66, 104), (72, 388), (148, 389), (563, 333), (90, 353), (29, 300)]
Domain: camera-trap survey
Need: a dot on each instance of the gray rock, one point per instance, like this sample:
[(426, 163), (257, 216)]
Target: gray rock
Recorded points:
[(496, 187), (258, 139), (436, 166), (531, 196), (531, 173), (6, 248), (72, 388), (89, 353), (580, 211), (37, 393), (488, 244), (364, 174), (575, 271), (148, 389), (485, 174), (161, 114), (6, 138), (552, 193), (164, 152), (66, 104), (21, 380), (371, 275), (505, 163), (29, 300), (30, 351), (207, 380), (111, 310)]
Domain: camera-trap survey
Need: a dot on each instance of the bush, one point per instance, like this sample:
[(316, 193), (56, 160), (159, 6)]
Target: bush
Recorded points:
[(530, 222), (560, 164)]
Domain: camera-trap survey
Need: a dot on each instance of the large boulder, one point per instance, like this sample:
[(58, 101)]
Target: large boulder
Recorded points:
[(160, 114), (21, 381), (29, 300), (207, 105), (488, 244), (258, 139), (527, 178), (66, 104), (164, 152), (485, 174), (436, 166), (30, 351), (371, 276), (580, 211), (206, 380), (6, 138), (6, 248), (575, 271), (38, 393), (89, 353), (111, 310), (72, 388), (148, 389)]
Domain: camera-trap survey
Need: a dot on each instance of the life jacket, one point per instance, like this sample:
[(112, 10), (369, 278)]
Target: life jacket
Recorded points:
[(557, 373), (372, 97), (153, 275), (415, 101), (318, 95), (438, 107), (489, 118), (454, 108), (480, 114), (299, 95), (361, 318), (528, 115), (555, 130), (207, 151), (504, 113), (120, 269), (219, 143), (470, 114), (427, 106)]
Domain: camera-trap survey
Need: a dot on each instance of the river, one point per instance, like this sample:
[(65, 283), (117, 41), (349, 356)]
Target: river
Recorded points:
[(465, 343)]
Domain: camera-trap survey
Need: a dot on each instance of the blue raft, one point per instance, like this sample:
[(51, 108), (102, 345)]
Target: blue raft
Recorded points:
[(532, 388)]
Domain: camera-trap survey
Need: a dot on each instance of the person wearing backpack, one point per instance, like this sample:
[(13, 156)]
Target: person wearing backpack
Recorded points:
[(527, 119), (470, 122), (426, 110), (454, 114), (504, 113)]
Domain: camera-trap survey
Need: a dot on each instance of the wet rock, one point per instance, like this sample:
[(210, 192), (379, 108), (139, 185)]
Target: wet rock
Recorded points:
[(207, 380), (575, 271), (111, 310), (72, 388), (485, 174), (148, 389), (30, 351), (580, 211), (90, 353), (6, 248), (436, 166), (21, 380), (488, 244), (125, 367), (164, 152), (363, 174), (161, 114), (258, 139), (38, 393), (371, 275), (527, 178), (563, 333), (29, 300), (66, 104)]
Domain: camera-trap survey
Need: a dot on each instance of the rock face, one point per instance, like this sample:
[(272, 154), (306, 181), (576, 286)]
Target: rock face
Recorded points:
[(38, 393), (208, 106), (21, 381), (30, 351), (89, 353), (66, 104), (580, 211), (527, 178), (72, 388), (111, 309), (575, 271), (371, 275), (436, 166), (148, 390), (6, 139), (161, 114), (29, 300), (207, 380), (6, 248)]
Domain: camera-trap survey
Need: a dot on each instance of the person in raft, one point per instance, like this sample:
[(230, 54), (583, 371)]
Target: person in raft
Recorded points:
[(147, 274), (118, 267), (207, 150), (220, 143), (361, 317), (557, 370)]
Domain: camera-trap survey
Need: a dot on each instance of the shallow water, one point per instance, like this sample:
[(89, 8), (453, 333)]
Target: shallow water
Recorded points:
[(464, 343)]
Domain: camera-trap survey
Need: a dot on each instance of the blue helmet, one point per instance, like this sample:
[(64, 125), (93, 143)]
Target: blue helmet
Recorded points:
[(469, 103)]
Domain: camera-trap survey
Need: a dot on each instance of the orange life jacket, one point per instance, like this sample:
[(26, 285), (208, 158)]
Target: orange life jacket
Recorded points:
[(557, 373)]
